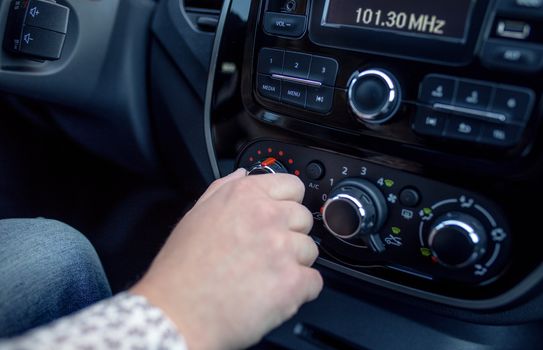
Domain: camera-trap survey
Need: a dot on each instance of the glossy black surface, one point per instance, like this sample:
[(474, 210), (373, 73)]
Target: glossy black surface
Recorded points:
[(402, 243), (506, 177)]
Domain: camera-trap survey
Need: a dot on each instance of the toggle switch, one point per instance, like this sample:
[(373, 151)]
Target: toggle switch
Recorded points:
[(37, 28)]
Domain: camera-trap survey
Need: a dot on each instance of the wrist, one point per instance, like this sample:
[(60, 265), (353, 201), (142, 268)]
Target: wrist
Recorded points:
[(191, 329)]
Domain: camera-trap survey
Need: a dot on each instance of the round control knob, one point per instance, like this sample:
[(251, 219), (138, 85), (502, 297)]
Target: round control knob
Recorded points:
[(268, 166), (457, 240), (374, 96), (356, 208)]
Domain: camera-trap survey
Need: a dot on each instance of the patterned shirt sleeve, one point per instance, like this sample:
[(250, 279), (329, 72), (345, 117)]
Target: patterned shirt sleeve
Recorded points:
[(125, 322)]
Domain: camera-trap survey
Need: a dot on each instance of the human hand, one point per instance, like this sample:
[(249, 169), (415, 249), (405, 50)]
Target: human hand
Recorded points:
[(238, 264)]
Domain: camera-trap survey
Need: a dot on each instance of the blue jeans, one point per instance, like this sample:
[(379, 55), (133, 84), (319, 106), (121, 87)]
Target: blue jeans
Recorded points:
[(47, 270)]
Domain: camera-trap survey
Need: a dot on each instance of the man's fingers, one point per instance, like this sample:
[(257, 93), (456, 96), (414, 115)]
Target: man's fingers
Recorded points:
[(282, 187), (304, 249), (217, 184), (299, 218), (313, 284)]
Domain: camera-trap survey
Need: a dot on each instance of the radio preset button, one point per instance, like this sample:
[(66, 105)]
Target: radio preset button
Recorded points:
[(324, 69), (463, 129), (284, 24), (296, 64), (319, 99), (294, 94), (473, 95), (429, 122), (501, 135), (270, 61), (515, 103), (268, 87), (436, 89)]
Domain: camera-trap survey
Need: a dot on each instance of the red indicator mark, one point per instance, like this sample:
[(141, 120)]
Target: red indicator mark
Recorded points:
[(297, 172), (259, 152), (270, 150), (251, 159), (269, 162), (434, 260), (281, 153), (291, 161)]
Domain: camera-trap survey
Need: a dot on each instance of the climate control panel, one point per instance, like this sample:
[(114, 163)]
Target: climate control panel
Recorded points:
[(392, 224)]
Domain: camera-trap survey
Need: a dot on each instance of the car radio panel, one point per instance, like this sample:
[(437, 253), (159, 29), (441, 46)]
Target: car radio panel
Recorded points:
[(350, 88), (412, 125)]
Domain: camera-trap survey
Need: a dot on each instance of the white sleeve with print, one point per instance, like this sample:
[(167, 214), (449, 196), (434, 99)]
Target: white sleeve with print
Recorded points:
[(124, 322)]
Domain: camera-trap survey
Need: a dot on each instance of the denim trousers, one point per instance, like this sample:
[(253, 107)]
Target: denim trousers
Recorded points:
[(47, 270)]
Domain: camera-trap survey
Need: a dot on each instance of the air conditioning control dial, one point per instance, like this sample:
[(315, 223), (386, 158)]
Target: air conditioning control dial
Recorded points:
[(267, 166), (356, 209), (457, 240)]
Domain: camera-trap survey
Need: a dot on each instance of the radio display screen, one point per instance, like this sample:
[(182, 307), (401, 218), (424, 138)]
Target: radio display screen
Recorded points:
[(427, 18)]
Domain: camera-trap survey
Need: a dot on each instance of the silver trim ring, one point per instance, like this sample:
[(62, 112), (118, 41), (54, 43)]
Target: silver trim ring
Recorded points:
[(392, 96), (352, 201), (471, 234), (266, 168)]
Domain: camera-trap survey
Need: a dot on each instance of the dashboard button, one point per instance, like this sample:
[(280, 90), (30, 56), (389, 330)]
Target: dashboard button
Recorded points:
[(409, 197), (284, 24), (515, 103), (324, 69), (315, 171), (516, 57), (47, 15), (473, 95), (270, 61), (294, 94), (429, 122), (501, 135), (42, 43), (268, 87), (296, 64), (463, 129), (319, 99), (436, 89)]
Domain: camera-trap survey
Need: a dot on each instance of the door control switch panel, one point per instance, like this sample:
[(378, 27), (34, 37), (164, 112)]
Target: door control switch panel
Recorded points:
[(36, 28)]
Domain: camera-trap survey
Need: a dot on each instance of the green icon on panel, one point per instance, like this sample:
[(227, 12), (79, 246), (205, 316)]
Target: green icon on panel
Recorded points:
[(389, 183), (425, 251), (396, 230), (427, 211)]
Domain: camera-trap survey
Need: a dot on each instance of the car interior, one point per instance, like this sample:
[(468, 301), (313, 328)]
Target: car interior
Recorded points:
[(413, 124)]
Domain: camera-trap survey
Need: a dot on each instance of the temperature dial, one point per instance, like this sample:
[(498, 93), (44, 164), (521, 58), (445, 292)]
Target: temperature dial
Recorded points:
[(356, 209), (268, 166), (457, 240), (374, 96)]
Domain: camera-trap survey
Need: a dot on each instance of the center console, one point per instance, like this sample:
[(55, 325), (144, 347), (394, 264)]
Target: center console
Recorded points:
[(413, 124)]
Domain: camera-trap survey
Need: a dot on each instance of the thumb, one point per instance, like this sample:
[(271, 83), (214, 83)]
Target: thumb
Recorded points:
[(217, 184)]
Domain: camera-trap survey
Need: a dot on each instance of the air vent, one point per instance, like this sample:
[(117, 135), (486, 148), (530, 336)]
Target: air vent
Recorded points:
[(204, 14)]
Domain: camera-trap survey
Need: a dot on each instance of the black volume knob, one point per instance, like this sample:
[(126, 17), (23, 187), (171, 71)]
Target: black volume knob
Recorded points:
[(356, 209), (374, 96)]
